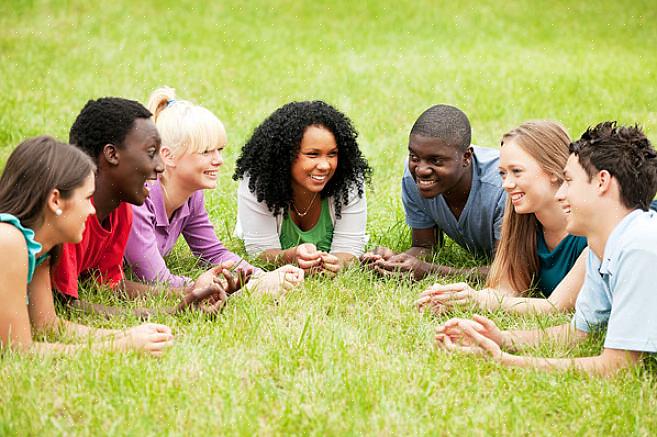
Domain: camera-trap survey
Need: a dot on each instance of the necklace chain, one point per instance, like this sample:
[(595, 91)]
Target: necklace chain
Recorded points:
[(305, 213)]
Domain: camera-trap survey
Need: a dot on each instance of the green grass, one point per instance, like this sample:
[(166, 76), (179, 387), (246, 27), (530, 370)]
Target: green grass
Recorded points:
[(351, 355)]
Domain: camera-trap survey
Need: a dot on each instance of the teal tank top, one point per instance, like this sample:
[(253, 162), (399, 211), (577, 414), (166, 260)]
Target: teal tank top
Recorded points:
[(32, 246), (321, 235), (553, 266)]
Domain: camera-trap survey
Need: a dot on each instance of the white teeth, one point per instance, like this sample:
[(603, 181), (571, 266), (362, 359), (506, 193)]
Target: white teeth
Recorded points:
[(426, 183), (317, 178), (517, 196)]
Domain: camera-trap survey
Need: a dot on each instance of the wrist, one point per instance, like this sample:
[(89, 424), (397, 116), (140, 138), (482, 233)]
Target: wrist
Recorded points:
[(507, 340)]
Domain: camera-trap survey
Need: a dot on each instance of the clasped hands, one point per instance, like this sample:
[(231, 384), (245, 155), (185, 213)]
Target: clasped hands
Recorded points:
[(386, 263), (312, 260)]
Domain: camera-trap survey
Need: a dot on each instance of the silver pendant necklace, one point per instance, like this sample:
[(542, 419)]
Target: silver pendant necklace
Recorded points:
[(305, 213)]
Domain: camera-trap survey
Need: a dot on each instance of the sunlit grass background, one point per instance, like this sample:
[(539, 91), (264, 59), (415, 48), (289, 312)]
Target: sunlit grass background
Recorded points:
[(349, 355)]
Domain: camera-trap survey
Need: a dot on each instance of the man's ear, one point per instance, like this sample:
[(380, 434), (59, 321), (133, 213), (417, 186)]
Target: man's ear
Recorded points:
[(168, 157), (467, 156), (111, 154), (604, 180)]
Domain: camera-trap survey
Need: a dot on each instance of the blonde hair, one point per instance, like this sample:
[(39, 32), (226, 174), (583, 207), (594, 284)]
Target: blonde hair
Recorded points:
[(516, 262), (183, 126)]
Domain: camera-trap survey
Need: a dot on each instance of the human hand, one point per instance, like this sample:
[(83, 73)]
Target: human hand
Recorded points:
[(278, 281), (441, 298), (151, 338), (455, 330), (330, 264), (400, 265), (308, 257), (211, 299), (470, 340), (378, 253)]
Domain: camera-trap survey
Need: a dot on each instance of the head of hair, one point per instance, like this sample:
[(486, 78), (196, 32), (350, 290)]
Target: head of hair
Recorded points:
[(34, 169), (447, 123), (267, 157), (626, 153), (516, 262), (183, 126), (107, 120)]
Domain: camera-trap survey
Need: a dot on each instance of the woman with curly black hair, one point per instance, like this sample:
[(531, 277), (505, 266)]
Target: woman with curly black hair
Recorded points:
[(301, 198)]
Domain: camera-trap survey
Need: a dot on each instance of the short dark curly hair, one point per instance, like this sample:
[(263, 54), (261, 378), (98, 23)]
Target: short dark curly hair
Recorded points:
[(267, 157), (626, 153), (105, 121)]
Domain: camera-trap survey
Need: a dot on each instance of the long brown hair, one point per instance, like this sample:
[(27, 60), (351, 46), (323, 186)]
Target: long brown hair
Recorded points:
[(516, 262), (35, 168)]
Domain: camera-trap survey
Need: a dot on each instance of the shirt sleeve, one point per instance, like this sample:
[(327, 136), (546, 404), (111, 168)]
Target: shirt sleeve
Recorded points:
[(256, 225), (416, 217), (349, 230), (143, 254), (593, 306), (65, 272), (632, 322), (201, 238), (499, 217)]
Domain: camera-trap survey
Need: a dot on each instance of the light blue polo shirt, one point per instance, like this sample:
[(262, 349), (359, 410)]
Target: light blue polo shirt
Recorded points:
[(478, 227), (620, 290)]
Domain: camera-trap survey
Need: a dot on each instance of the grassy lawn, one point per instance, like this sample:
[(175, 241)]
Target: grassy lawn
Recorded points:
[(350, 355)]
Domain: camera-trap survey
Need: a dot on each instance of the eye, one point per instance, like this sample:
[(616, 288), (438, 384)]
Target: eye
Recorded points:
[(502, 174), (152, 153), (312, 154), (333, 154), (437, 161), (412, 157)]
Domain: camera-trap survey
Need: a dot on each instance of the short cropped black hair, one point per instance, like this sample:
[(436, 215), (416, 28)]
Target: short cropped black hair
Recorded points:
[(267, 157), (446, 122), (626, 153), (105, 121)]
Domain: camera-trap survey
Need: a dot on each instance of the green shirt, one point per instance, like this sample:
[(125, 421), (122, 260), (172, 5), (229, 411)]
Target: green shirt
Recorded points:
[(321, 235), (553, 266)]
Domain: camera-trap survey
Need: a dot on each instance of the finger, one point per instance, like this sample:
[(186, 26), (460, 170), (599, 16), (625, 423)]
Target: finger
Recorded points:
[(387, 273), (308, 264), (232, 284), (485, 322), (482, 341)]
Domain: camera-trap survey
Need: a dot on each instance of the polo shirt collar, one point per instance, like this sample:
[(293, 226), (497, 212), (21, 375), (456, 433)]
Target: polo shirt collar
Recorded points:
[(156, 196), (615, 243)]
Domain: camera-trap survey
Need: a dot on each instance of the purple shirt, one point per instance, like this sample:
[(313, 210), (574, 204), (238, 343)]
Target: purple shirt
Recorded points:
[(153, 236)]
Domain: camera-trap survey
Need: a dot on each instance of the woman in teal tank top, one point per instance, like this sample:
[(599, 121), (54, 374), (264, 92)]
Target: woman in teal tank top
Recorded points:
[(45, 199), (535, 253)]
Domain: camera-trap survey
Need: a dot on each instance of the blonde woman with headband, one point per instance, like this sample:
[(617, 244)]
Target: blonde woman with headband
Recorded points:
[(192, 142), (535, 250)]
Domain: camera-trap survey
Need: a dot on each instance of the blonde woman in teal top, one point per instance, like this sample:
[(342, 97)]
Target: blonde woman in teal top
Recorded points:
[(535, 251), (45, 199)]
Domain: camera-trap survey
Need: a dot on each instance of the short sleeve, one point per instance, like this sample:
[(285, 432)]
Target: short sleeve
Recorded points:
[(593, 305), (66, 271), (633, 319), (416, 217), (499, 217)]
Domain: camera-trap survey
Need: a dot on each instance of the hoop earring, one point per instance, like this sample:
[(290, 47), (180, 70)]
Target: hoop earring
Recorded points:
[(58, 212)]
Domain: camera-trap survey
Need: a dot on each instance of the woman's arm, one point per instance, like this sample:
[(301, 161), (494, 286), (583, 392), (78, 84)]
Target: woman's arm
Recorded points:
[(349, 237), (14, 319), (258, 227)]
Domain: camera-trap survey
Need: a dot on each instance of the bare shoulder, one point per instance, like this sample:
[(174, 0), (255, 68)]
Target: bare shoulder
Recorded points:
[(12, 240)]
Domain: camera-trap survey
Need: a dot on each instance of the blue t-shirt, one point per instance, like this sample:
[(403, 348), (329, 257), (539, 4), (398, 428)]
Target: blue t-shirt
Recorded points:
[(32, 246), (555, 265), (478, 227), (619, 290)]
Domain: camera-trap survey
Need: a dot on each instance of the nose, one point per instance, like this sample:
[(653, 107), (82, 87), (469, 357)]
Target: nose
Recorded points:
[(560, 195), (217, 159), (508, 182), (423, 170), (159, 164), (324, 164)]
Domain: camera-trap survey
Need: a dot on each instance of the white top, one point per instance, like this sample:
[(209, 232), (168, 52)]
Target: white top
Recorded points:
[(260, 228)]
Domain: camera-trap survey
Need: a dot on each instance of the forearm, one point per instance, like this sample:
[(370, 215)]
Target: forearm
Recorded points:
[(279, 257), (491, 300), (135, 290), (563, 334), (477, 272), (598, 366), (77, 330)]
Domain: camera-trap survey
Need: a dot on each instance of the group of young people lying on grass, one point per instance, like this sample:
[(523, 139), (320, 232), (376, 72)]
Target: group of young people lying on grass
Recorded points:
[(568, 221)]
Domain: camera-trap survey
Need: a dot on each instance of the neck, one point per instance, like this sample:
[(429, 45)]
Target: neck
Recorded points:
[(552, 218), (602, 226), (44, 235), (105, 198), (175, 194), (457, 196)]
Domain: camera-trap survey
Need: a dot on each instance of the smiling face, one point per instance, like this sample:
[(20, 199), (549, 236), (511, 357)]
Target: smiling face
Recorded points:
[(577, 197), (316, 162), (436, 166), (199, 170), (75, 211), (139, 161), (529, 187)]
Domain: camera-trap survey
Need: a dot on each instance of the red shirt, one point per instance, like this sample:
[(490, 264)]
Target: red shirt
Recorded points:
[(100, 252)]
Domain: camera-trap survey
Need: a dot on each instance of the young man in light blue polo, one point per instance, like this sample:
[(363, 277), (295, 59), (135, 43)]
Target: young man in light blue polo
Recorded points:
[(611, 179), (449, 186)]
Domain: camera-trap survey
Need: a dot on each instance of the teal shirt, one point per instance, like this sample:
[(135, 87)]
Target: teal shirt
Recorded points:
[(321, 235), (32, 246), (553, 266)]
